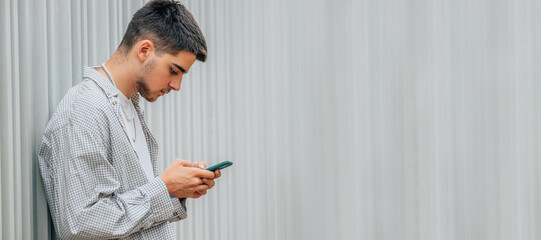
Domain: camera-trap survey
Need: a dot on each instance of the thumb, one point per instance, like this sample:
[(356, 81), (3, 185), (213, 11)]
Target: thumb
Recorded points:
[(183, 162), (201, 165)]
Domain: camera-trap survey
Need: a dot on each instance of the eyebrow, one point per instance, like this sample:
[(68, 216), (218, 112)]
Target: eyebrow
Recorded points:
[(180, 68)]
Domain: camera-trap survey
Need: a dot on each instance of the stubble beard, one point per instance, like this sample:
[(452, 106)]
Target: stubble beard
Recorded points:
[(141, 85), (142, 88)]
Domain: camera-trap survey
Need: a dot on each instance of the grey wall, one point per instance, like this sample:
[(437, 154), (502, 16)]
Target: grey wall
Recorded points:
[(370, 119)]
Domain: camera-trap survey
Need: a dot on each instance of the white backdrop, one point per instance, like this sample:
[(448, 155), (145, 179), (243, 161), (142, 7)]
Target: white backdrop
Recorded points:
[(366, 119)]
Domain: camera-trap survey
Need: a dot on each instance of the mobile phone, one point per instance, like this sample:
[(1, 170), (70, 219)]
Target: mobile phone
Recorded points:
[(220, 166)]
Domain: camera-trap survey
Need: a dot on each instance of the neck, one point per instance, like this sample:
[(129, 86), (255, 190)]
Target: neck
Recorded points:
[(123, 78)]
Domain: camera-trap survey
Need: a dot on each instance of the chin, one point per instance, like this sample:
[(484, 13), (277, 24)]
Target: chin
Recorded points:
[(150, 99)]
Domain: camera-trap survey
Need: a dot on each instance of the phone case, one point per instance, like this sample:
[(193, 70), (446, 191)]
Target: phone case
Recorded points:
[(220, 166)]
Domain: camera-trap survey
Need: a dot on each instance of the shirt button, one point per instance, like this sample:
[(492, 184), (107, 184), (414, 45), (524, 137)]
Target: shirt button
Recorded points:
[(114, 102), (108, 95)]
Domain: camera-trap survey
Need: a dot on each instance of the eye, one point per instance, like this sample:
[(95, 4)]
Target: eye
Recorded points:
[(173, 71)]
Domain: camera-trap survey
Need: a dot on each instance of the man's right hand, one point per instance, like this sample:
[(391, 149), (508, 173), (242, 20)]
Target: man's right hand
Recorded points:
[(184, 181)]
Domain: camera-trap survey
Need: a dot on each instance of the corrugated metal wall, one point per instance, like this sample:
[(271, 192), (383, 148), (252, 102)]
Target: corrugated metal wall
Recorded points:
[(368, 119)]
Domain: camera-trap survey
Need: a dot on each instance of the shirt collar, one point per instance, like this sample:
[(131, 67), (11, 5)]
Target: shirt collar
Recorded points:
[(105, 84)]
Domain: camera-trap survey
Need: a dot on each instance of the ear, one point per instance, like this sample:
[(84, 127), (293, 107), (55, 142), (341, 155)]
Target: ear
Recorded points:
[(145, 49)]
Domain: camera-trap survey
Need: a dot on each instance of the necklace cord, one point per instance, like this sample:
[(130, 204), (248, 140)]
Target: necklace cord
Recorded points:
[(112, 81)]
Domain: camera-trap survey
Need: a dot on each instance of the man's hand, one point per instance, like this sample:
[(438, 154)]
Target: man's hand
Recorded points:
[(208, 181), (184, 181)]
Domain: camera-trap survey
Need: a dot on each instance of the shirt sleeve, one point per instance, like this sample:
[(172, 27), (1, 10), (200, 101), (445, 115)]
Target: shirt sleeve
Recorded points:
[(179, 206), (84, 192)]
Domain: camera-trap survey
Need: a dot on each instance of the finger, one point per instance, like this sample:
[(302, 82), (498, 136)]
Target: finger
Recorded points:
[(197, 181), (205, 181), (200, 165), (210, 184), (183, 162), (218, 173), (201, 188), (204, 173), (202, 192)]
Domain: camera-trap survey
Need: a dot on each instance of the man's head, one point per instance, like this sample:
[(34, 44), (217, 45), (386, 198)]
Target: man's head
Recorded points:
[(165, 39), (169, 25)]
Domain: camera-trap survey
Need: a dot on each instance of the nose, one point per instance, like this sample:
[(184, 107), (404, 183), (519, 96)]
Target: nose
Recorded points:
[(175, 84)]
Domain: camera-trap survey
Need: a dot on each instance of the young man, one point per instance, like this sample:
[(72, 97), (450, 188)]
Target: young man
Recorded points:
[(98, 158)]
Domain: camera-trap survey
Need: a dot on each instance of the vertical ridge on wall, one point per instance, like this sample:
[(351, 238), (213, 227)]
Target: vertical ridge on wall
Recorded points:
[(7, 125), (41, 102), (15, 131), (26, 174)]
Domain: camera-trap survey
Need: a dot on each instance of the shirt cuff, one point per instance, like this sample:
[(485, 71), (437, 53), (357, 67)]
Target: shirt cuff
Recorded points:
[(179, 209), (160, 202)]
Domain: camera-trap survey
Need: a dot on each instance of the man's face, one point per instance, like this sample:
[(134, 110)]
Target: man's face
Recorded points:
[(159, 75)]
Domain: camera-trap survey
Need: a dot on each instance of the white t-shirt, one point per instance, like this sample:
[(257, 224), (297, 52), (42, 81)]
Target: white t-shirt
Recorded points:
[(136, 134)]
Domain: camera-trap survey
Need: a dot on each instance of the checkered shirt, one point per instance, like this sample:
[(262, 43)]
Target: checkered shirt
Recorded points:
[(94, 183)]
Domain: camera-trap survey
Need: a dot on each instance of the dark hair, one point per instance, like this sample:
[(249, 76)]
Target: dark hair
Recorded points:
[(170, 26)]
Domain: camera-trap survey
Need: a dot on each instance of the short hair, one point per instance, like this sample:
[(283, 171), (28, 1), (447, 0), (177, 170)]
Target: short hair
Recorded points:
[(169, 25)]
